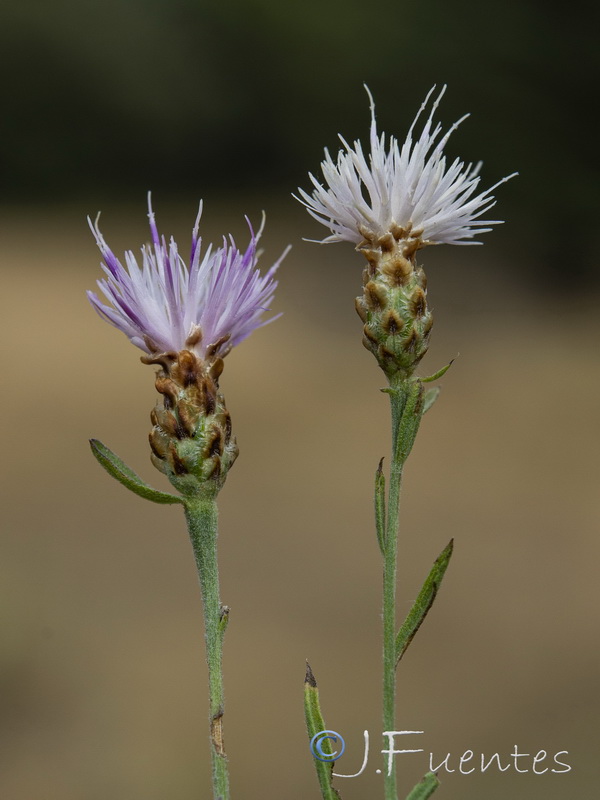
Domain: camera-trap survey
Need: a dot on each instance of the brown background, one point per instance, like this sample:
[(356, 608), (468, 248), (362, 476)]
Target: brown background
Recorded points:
[(102, 676)]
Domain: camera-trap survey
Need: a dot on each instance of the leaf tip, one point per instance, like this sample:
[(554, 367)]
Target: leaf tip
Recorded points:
[(309, 678)]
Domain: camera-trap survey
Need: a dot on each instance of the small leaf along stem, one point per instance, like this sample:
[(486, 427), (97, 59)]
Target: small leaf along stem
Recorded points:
[(314, 725), (380, 506), (125, 475), (425, 788), (424, 601)]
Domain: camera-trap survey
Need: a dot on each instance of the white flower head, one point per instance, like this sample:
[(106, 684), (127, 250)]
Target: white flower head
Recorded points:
[(401, 189)]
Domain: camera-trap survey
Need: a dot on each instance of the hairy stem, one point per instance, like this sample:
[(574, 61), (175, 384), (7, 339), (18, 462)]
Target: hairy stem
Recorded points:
[(390, 558), (407, 403), (201, 516)]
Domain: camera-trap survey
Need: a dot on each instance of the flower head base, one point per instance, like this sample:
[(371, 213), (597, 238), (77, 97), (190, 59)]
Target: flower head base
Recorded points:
[(408, 191), (191, 438), (165, 306)]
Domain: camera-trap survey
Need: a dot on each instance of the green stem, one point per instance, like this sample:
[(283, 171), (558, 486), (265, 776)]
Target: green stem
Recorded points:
[(407, 402), (201, 516), (398, 395)]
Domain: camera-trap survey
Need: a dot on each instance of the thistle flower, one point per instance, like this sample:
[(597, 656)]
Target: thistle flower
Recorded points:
[(186, 320), (391, 205), (164, 306), (408, 188)]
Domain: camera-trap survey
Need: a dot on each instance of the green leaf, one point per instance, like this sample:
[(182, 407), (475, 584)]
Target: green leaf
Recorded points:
[(424, 788), (439, 373), (431, 395), (119, 470), (223, 619), (410, 420), (380, 506), (423, 603), (314, 725)]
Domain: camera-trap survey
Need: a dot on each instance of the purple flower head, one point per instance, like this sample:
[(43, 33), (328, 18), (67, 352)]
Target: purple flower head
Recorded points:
[(408, 186), (165, 306)]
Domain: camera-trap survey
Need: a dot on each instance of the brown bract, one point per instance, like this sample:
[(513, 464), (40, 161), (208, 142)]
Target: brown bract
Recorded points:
[(191, 438), (393, 307)]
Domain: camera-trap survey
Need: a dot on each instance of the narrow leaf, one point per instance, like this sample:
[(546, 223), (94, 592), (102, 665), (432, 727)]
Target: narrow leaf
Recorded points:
[(424, 788), (439, 373), (223, 619), (431, 395), (380, 506), (423, 603), (119, 470), (314, 725), (410, 420)]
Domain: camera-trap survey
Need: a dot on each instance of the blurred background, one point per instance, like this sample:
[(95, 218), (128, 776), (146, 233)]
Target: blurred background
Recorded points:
[(102, 676)]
